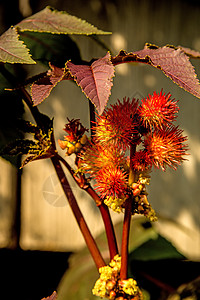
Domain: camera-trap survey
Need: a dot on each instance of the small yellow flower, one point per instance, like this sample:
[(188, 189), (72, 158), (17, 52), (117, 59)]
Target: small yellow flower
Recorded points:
[(110, 286), (114, 203), (108, 274), (129, 286), (105, 273), (116, 262), (100, 288)]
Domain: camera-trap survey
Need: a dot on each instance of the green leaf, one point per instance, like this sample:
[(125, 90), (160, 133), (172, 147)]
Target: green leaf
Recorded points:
[(57, 22), (12, 50), (155, 249), (54, 48)]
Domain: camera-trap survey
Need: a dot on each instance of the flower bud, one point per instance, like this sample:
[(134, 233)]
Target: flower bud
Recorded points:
[(112, 295), (78, 147), (62, 144), (134, 185), (140, 208), (71, 150), (110, 284), (136, 192), (83, 139)]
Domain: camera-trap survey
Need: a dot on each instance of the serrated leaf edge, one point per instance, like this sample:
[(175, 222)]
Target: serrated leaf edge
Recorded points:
[(24, 46), (53, 86), (53, 10), (147, 60), (93, 77)]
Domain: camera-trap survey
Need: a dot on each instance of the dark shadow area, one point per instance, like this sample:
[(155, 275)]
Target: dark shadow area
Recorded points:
[(162, 278), (30, 275)]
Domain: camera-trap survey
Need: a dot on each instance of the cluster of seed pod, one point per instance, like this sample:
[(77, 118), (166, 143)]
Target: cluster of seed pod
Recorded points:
[(72, 145)]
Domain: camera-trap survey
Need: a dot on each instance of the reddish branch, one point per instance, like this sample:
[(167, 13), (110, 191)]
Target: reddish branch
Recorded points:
[(78, 215), (125, 239), (112, 243), (127, 221)]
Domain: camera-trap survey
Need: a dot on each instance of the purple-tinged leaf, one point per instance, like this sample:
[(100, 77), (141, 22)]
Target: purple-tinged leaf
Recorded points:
[(57, 22), (12, 50), (95, 80), (191, 53), (173, 62), (176, 65), (42, 88), (52, 297)]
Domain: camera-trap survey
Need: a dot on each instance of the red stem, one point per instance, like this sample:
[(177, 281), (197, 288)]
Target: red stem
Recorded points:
[(127, 221), (125, 239), (110, 233), (99, 261), (112, 243)]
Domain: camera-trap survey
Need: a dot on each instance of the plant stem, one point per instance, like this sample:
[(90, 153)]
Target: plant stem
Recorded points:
[(92, 118), (127, 220), (65, 163), (112, 243), (110, 233), (131, 171), (99, 261), (125, 239)]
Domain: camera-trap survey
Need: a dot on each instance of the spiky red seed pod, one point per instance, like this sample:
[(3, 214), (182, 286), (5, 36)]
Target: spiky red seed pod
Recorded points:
[(96, 157), (111, 182), (141, 161), (118, 125), (158, 110), (166, 147)]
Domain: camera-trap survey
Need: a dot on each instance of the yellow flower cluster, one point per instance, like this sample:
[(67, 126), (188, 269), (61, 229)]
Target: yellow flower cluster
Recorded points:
[(105, 285), (110, 286), (114, 203), (129, 286), (144, 179)]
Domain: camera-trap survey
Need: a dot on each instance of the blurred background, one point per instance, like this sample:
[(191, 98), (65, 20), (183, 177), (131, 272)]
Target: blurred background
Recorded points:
[(37, 229)]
